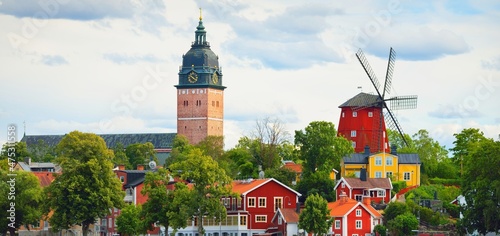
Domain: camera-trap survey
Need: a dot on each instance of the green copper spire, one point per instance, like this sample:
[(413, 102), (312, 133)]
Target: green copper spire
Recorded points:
[(200, 34)]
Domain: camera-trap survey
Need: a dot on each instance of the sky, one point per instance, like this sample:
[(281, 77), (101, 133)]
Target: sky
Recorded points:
[(110, 66)]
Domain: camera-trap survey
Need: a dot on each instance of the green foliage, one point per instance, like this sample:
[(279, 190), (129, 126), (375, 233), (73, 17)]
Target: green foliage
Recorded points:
[(429, 151), (22, 189), (481, 185), (41, 152), (444, 193), (140, 154), (283, 175), (394, 209), (180, 146), (16, 151), (241, 160), (121, 157), (438, 181), (209, 181), (212, 146), (380, 229), (317, 183), (129, 221), (452, 209), (315, 218), (162, 207), (267, 139), (320, 147), (403, 224), (88, 187), (398, 185), (396, 140)]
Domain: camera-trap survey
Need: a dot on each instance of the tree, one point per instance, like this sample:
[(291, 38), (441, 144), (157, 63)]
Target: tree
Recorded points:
[(394, 209), (41, 151), (481, 185), (180, 146), (270, 134), (21, 200), (396, 140), (241, 163), (161, 206), (283, 175), (317, 183), (129, 221), (320, 147), (315, 218), (140, 154), (87, 187), (465, 142), (403, 224), (212, 146), (16, 151), (429, 151), (210, 183), (120, 156)]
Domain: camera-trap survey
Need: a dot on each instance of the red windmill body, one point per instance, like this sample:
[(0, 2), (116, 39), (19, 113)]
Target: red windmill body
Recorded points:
[(363, 126), (363, 118)]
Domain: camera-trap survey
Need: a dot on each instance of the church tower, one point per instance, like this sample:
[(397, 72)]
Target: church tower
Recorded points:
[(200, 94)]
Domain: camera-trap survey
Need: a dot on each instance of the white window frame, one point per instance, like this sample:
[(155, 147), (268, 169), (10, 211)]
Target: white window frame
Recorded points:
[(358, 197), (261, 216), (353, 133), (353, 143), (388, 161), (280, 221), (263, 205), (254, 202), (354, 114), (378, 174), (359, 224), (381, 193), (337, 224), (370, 114), (405, 174), (358, 212), (378, 161), (388, 174)]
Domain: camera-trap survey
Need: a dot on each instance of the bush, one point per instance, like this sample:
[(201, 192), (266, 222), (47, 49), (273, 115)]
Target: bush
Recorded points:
[(448, 182), (380, 230), (398, 185)]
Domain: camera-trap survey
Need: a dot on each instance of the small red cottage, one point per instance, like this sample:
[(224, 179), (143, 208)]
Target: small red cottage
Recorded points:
[(285, 221), (351, 217), (379, 189)]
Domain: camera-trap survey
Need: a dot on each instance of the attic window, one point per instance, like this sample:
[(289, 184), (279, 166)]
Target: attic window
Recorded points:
[(122, 179)]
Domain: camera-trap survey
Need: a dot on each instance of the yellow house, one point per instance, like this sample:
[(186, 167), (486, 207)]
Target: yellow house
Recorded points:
[(398, 167)]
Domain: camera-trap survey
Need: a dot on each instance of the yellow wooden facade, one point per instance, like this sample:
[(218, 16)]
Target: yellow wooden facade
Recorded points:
[(383, 165)]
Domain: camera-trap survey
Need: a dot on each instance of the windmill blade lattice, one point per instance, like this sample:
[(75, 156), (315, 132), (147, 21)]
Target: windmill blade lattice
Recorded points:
[(389, 72)]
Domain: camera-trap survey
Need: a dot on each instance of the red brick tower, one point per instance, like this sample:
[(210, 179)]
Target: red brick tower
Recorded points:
[(200, 94)]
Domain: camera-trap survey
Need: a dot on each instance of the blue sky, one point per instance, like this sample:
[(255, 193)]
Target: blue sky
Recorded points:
[(111, 66)]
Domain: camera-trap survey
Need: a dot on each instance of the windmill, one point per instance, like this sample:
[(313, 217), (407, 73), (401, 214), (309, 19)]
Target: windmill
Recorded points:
[(375, 110)]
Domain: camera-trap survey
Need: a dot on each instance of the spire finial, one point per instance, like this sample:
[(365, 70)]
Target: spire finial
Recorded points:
[(200, 14)]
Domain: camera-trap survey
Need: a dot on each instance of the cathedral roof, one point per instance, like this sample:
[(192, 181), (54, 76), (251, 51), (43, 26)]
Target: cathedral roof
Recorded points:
[(159, 140)]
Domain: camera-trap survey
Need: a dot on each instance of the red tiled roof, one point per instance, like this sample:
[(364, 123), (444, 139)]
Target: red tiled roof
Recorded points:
[(290, 215), (243, 186), (344, 205), (294, 167), (45, 178), (384, 183)]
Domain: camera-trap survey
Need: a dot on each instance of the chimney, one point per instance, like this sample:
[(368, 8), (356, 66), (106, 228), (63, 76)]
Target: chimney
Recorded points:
[(297, 208), (342, 197), (121, 167), (367, 150), (394, 150), (362, 174), (367, 200), (27, 160), (140, 167)]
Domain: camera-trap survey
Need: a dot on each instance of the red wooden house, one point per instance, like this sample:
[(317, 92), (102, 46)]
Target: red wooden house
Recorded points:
[(379, 189), (285, 222), (252, 212), (351, 217)]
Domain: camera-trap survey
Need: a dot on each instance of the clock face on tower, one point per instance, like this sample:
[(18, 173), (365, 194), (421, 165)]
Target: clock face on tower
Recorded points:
[(192, 77), (215, 78)]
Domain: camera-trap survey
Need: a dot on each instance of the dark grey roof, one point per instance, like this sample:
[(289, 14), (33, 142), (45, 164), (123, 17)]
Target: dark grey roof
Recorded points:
[(408, 158), (362, 99), (362, 158), (135, 177), (159, 140), (356, 158)]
